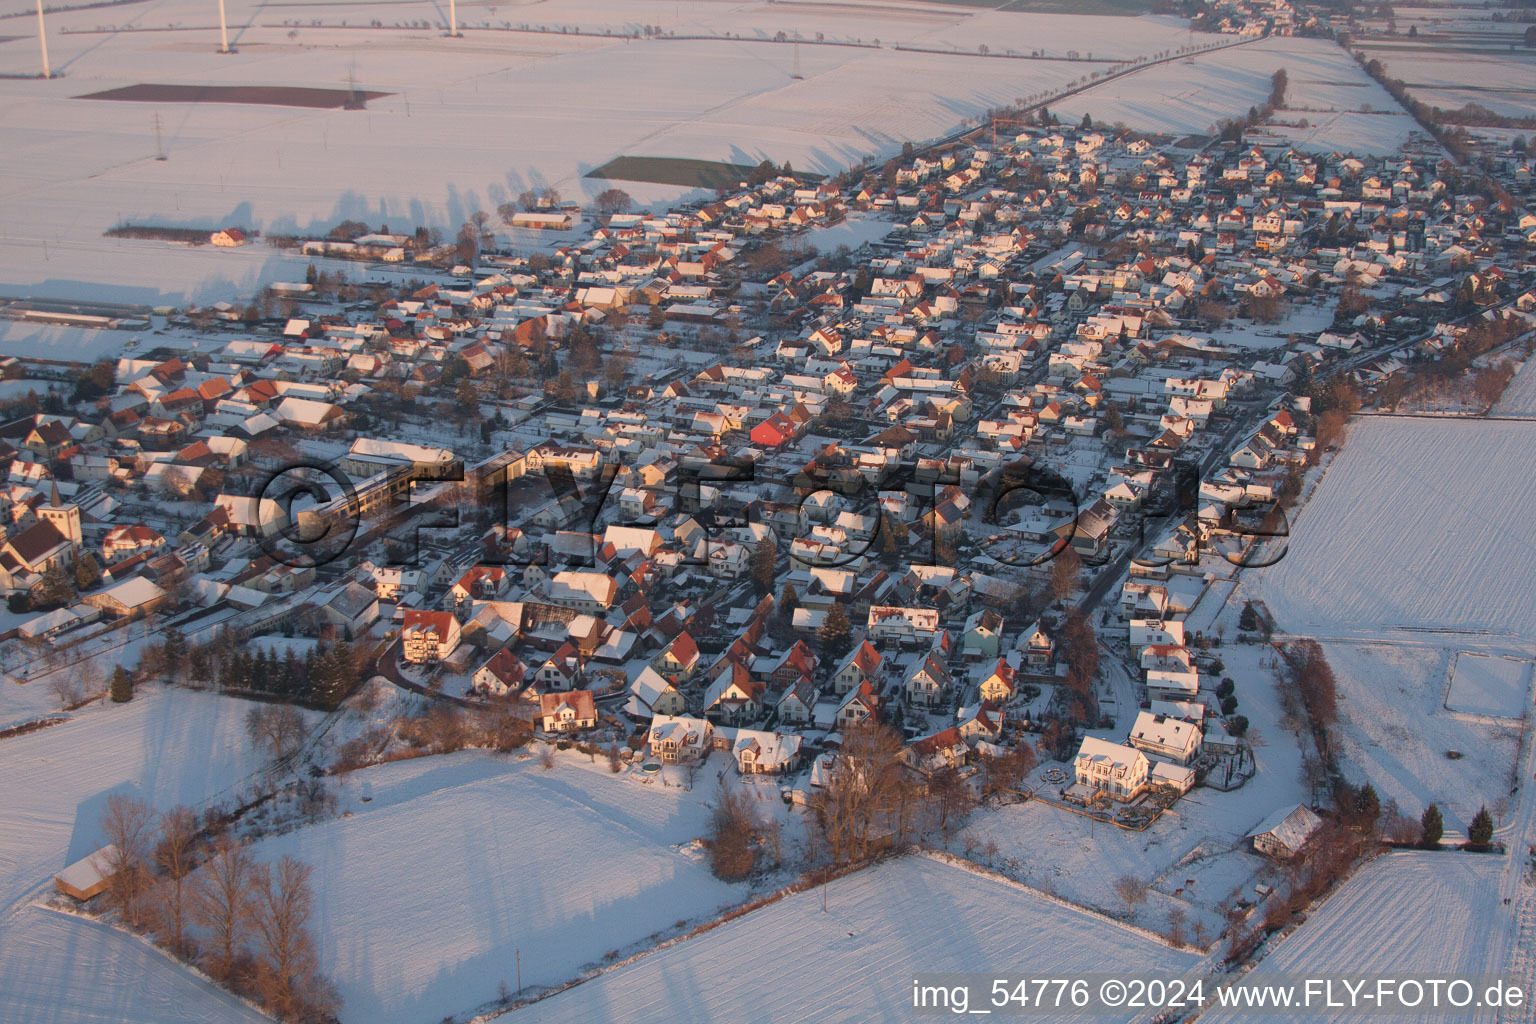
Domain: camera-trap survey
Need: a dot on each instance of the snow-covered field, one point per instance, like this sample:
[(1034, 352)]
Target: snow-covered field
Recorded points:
[(1420, 528), (791, 962), (1486, 685), (165, 746), (1394, 732), (59, 969), (1519, 398), (471, 122), (1327, 89), (1403, 913), (1502, 82), (427, 892)]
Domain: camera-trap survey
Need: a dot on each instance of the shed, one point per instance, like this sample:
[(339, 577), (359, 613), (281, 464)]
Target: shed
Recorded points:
[(87, 877)]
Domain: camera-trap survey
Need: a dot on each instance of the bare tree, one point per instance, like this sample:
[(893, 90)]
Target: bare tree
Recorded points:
[(66, 688), (951, 798), (1176, 922), (1201, 933), (867, 796), (1065, 568), (547, 757), (129, 827), (173, 855), (1006, 771), (278, 727), (287, 971), (222, 904), (732, 827), (1132, 890), (773, 834)]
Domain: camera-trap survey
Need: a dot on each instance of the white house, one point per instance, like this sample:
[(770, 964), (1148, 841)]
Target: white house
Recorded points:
[(888, 622), (759, 752), (678, 739), (1172, 739), (1108, 768), (567, 712)]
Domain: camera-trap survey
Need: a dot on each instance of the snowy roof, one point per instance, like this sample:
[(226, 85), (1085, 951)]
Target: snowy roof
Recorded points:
[(88, 872), (1291, 826)]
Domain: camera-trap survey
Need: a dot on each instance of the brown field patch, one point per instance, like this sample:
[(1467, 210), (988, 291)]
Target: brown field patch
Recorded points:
[(263, 95)]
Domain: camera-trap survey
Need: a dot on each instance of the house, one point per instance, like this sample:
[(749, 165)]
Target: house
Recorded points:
[(980, 723), (391, 583), (680, 739), (567, 712), (1283, 834), (228, 238), (1172, 739), (983, 633), (504, 673), (863, 665), (1038, 648), (428, 637), (584, 590), (928, 684), (794, 704), (479, 583), (126, 541), (861, 704), (1109, 769), (734, 696), (679, 659), (652, 694), (943, 749), (759, 753), (999, 686), (796, 665), (902, 624)]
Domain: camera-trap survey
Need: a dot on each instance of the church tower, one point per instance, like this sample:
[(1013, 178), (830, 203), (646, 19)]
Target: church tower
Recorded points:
[(65, 518)]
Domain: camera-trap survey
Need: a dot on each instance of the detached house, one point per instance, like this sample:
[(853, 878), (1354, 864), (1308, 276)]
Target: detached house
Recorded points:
[(567, 712), (928, 684), (1172, 739), (759, 753), (680, 739), (861, 704), (652, 695), (999, 687), (1108, 769), (504, 673), (863, 665)]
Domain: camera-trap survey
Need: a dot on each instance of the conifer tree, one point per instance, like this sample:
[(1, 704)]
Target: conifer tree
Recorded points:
[(1431, 827), (121, 685)]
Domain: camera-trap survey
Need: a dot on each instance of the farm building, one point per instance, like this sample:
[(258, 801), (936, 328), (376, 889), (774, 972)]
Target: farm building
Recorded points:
[(1284, 833), (87, 877)]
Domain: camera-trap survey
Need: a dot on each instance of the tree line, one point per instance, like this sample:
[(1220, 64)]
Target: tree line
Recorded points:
[(199, 892)]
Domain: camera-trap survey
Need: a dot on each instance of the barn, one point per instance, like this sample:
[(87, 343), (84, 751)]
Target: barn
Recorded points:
[(87, 877)]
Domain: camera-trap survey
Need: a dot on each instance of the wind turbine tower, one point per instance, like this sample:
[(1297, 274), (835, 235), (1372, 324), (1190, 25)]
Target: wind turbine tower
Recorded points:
[(42, 40)]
